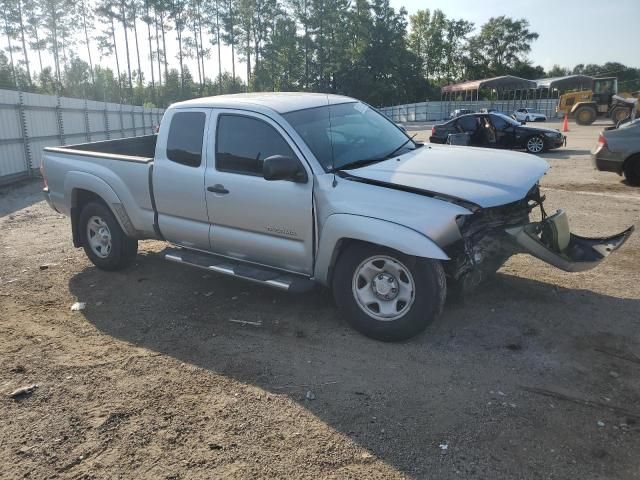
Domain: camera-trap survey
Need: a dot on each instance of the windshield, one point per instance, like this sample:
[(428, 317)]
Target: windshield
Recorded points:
[(347, 133), (506, 118)]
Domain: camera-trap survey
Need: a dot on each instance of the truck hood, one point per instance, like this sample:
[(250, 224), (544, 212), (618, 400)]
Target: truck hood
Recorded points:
[(487, 178)]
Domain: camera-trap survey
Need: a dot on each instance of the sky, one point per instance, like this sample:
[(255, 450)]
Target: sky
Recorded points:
[(571, 31)]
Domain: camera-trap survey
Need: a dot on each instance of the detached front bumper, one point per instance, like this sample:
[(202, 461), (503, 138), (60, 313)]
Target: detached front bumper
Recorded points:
[(578, 255)]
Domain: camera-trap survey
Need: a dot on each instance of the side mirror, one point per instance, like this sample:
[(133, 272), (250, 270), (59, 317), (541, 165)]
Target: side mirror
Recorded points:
[(523, 122), (281, 167)]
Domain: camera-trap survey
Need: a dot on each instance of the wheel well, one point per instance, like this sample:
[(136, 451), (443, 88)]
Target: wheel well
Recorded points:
[(80, 198), (584, 104), (631, 158), (342, 245)]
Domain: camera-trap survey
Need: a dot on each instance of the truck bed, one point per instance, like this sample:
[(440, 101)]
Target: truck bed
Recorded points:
[(139, 149), (118, 171)]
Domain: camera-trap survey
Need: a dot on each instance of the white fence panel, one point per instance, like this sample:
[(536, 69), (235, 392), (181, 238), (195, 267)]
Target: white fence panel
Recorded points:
[(30, 121), (437, 111)]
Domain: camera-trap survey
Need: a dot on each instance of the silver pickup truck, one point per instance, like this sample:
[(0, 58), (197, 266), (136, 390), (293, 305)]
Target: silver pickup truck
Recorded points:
[(295, 189)]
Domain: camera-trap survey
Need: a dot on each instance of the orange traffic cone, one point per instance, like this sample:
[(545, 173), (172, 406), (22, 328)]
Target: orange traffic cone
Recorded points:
[(565, 124)]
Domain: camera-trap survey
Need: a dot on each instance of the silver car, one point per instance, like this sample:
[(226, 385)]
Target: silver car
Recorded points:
[(618, 150)]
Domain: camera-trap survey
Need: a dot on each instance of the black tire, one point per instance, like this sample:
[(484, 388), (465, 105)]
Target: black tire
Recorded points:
[(632, 170), (428, 297), (618, 114), (532, 143), (585, 115), (122, 251)]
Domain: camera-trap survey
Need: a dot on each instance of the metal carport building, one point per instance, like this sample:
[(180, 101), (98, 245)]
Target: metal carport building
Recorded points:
[(504, 89)]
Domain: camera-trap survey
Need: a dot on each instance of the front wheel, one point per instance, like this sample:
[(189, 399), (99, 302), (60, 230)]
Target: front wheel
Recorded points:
[(385, 294), (535, 144), (103, 240), (585, 115)]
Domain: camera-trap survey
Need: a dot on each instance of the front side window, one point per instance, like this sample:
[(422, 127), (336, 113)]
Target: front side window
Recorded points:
[(347, 133), (242, 144), (502, 121), (184, 144)]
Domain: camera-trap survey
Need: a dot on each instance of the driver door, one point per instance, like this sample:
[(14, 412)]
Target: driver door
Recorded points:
[(505, 132), (252, 219)]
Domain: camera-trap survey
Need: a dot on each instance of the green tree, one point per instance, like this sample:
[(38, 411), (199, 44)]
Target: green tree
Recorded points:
[(427, 40), (76, 79), (57, 19), (213, 14), (283, 65), (557, 71), (500, 46), (6, 72), (107, 40), (456, 45)]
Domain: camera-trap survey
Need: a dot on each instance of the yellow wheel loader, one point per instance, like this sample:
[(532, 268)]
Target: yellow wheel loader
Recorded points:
[(587, 105)]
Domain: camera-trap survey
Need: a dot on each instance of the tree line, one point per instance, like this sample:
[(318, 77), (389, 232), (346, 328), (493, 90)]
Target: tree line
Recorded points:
[(362, 48)]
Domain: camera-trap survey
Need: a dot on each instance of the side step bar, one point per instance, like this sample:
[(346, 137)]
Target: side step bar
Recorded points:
[(254, 273)]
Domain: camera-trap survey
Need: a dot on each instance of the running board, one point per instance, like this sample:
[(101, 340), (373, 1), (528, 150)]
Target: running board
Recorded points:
[(254, 273)]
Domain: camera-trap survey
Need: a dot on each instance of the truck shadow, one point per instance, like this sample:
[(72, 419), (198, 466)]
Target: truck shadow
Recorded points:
[(399, 401), (20, 195)]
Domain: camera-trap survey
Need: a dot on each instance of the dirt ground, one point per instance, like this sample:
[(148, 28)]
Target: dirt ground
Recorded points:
[(536, 376)]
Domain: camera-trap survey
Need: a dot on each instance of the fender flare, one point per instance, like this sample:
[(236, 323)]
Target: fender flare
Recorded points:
[(75, 180), (342, 226), (591, 104)]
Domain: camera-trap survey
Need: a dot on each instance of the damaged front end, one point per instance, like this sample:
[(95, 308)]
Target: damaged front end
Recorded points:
[(491, 235)]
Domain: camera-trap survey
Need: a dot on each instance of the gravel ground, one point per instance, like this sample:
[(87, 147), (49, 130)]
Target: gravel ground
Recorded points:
[(535, 376)]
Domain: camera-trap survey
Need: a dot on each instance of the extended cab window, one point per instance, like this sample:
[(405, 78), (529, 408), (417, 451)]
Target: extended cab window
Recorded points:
[(242, 143), (184, 144)]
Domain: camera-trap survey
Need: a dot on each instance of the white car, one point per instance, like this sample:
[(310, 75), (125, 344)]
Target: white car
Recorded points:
[(529, 115)]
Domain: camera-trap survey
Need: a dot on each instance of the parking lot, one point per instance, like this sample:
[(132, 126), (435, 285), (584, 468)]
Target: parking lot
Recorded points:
[(173, 373)]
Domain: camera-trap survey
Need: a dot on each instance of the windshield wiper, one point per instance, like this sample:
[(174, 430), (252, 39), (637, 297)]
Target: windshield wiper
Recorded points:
[(358, 163), (369, 161), (389, 155)]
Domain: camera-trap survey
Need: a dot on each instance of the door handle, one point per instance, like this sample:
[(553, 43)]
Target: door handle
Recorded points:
[(218, 189)]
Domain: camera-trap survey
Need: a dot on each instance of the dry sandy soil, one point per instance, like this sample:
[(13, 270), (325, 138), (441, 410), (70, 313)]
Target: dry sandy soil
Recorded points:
[(535, 376)]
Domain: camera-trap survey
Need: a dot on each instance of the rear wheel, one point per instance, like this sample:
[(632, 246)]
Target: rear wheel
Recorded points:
[(385, 294), (535, 144), (632, 171), (585, 115), (103, 239), (618, 114)]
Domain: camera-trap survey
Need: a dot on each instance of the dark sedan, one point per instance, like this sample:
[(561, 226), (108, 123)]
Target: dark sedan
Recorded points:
[(496, 130)]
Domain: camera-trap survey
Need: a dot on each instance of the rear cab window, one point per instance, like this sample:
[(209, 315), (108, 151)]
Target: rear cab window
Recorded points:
[(186, 133)]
